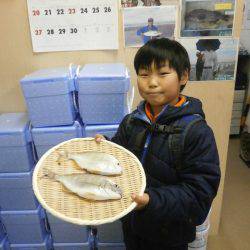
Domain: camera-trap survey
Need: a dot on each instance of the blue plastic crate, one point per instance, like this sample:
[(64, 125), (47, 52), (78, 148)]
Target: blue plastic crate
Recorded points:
[(49, 97), (64, 232), (103, 93), (46, 245), (4, 244), (25, 227), (110, 233), (107, 130), (16, 153), (110, 246), (16, 192), (46, 138), (71, 246)]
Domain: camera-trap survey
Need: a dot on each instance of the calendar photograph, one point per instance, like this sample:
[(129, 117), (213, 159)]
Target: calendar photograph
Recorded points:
[(207, 18), (212, 59), (136, 3), (142, 24)]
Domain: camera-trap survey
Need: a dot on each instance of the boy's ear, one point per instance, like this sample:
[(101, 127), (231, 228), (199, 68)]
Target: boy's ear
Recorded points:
[(184, 78)]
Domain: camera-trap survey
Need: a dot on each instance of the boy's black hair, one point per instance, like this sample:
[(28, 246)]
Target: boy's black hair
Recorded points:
[(159, 51)]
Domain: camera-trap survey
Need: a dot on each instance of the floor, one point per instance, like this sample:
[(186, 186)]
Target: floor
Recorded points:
[(234, 231)]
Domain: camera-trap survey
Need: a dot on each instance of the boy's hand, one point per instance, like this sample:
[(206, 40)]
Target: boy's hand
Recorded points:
[(141, 201), (99, 138)]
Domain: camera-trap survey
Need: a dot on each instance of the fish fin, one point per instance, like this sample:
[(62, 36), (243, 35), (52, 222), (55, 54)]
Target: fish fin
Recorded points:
[(65, 190), (95, 172), (91, 196), (78, 167), (84, 171)]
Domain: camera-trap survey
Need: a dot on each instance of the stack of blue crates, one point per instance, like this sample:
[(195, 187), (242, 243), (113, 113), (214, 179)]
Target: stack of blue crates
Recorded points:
[(61, 105), (50, 98), (22, 217)]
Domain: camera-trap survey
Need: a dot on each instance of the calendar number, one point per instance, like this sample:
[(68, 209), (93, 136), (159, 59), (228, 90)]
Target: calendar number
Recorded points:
[(47, 12), (60, 11), (50, 32), (38, 32), (36, 12), (73, 30), (62, 31), (95, 10), (84, 10), (107, 9), (72, 11)]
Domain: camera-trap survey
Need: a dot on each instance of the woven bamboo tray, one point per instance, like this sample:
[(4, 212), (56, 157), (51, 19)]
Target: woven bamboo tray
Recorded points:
[(72, 208)]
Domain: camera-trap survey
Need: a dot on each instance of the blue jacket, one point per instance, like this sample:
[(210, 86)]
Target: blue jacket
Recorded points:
[(179, 199), (146, 29)]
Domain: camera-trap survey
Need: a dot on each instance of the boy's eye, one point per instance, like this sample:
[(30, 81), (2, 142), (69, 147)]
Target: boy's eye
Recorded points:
[(143, 75), (164, 73)]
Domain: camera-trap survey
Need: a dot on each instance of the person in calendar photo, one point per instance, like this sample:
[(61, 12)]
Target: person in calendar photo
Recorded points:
[(170, 136), (148, 32)]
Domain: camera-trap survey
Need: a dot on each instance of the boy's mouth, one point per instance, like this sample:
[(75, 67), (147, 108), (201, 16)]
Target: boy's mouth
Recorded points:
[(153, 93)]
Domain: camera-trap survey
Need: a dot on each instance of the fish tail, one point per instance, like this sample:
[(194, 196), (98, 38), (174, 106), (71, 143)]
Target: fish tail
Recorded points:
[(61, 154)]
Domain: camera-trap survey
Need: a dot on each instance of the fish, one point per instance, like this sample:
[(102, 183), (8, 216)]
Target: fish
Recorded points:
[(203, 19), (94, 162), (152, 33), (88, 186), (204, 15)]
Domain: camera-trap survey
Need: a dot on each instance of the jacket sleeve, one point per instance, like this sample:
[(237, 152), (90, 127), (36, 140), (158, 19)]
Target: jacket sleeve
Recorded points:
[(121, 135), (191, 198)]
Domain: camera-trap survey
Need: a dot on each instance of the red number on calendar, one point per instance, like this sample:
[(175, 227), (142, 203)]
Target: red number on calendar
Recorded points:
[(36, 12), (72, 11), (38, 32)]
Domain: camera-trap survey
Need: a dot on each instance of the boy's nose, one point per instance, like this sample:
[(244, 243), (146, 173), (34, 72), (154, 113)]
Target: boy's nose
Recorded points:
[(153, 82)]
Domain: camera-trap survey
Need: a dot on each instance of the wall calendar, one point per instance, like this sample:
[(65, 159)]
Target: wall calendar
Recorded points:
[(67, 25)]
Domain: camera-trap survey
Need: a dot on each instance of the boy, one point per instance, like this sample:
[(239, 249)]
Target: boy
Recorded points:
[(181, 184)]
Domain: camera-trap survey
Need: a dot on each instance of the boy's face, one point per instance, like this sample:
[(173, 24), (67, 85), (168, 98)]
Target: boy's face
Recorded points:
[(160, 86)]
